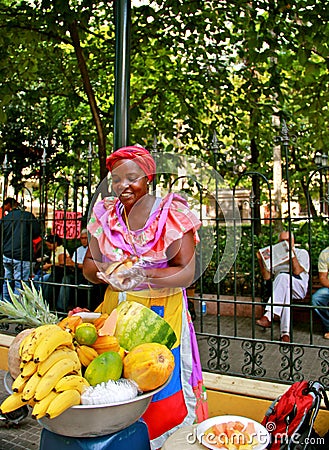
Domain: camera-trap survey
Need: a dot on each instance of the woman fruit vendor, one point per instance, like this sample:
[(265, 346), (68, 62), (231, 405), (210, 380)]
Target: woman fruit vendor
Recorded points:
[(157, 237)]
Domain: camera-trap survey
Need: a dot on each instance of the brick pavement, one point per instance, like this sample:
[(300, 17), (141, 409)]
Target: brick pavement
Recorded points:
[(25, 435)]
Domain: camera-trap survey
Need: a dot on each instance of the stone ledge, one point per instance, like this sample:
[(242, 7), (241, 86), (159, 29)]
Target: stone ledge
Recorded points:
[(251, 398), (230, 305), (5, 341)]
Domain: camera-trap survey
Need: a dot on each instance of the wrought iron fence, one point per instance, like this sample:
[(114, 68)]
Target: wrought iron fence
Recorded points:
[(230, 294), (230, 341)]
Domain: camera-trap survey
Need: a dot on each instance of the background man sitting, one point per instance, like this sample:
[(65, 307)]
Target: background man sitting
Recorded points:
[(285, 286), (321, 296)]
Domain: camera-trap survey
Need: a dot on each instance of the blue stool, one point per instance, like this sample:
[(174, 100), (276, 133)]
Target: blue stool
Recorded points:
[(133, 437)]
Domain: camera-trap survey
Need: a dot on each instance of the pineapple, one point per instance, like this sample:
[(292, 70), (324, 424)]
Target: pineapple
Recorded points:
[(28, 308)]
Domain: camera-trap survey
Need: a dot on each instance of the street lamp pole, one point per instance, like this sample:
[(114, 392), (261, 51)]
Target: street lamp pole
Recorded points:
[(121, 130)]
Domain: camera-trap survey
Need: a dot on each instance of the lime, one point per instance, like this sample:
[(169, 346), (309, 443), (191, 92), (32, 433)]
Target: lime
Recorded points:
[(86, 334)]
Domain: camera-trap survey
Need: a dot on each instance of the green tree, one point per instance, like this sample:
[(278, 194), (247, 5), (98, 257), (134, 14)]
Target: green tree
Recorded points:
[(196, 67)]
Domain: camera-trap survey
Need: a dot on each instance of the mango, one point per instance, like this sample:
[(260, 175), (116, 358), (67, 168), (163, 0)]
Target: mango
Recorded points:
[(105, 367)]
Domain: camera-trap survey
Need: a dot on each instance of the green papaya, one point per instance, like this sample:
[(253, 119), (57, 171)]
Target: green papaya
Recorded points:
[(105, 367)]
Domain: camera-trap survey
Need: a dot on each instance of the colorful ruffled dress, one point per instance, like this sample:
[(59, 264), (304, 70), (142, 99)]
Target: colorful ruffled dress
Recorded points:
[(183, 400)]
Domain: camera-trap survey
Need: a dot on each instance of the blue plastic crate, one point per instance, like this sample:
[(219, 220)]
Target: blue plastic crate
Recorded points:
[(134, 437)]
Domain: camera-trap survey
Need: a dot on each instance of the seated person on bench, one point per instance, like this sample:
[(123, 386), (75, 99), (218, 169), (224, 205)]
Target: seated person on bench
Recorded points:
[(300, 264), (321, 296)]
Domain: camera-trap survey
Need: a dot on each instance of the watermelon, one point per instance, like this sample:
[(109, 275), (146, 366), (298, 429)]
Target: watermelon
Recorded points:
[(137, 324)]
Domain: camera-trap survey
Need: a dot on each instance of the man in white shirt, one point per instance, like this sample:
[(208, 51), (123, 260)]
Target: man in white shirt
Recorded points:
[(80, 253), (285, 286)]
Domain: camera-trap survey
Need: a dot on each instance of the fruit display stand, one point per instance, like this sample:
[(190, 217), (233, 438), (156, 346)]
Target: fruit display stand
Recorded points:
[(99, 420), (105, 428), (102, 426), (226, 394)]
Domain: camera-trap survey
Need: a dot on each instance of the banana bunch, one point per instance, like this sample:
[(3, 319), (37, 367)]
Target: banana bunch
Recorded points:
[(51, 379), (43, 340), (66, 393)]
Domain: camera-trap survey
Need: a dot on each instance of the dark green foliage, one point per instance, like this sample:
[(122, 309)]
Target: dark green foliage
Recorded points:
[(196, 67)]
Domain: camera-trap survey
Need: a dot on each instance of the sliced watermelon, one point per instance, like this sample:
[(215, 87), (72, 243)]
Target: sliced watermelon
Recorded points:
[(137, 324)]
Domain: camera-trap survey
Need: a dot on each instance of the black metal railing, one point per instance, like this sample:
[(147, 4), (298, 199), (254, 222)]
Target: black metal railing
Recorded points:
[(229, 295)]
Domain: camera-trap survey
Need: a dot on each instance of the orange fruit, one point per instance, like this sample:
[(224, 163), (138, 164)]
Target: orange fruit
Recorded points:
[(99, 322), (86, 334), (106, 344), (70, 323)]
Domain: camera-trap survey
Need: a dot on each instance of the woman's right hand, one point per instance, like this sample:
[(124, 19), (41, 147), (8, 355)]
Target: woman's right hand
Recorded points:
[(107, 279), (124, 279)]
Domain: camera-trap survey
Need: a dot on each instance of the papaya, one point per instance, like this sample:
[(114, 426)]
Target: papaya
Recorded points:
[(105, 367), (109, 324), (99, 322), (149, 365)]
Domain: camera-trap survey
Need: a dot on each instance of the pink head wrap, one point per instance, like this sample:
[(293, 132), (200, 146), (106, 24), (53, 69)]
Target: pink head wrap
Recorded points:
[(140, 155)]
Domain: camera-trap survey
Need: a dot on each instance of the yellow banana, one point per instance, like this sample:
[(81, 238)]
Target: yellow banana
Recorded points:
[(122, 352), (76, 382), (19, 383), (12, 402), (31, 402), (50, 342), (25, 343), (40, 408), (62, 402), (28, 369), (83, 359), (30, 342), (26, 347), (30, 387), (54, 374), (57, 355), (86, 354)]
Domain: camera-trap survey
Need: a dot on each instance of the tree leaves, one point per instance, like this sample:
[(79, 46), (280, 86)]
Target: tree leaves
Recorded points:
[(195, 67)]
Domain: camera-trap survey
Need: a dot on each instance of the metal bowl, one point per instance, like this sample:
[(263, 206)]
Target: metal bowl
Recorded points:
[(99, 420)]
